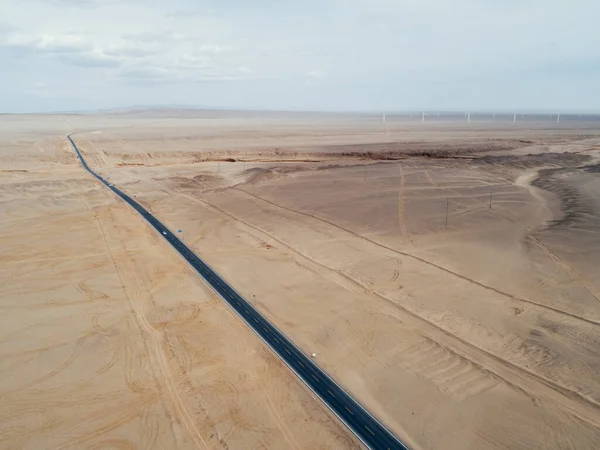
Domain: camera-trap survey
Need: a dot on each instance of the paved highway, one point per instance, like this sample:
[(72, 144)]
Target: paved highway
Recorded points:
[(372, 433)]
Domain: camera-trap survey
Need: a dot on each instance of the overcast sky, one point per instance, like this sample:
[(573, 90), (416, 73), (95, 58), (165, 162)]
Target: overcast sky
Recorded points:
[(309, 54)]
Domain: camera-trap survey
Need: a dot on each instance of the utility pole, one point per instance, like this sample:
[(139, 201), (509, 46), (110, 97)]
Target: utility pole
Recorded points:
[(491, 189), (447, 201), (365, 173)]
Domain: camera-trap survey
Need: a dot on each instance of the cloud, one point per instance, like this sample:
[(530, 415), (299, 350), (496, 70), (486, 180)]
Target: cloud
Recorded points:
[(154, 37), (316, 74), (215, 49), (80, 3), (47, 44), (80, 50), (128, 51), (91, 59), (6, 28), (157, 56), (317, 53), (184, 14), (70, 49), (155, 74)]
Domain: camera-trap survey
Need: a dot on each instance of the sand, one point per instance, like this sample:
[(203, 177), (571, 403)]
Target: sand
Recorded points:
[(109, 340), (444, 274)]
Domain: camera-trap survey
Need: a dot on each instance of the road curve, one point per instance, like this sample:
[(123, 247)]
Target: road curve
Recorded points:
[(368, 429)]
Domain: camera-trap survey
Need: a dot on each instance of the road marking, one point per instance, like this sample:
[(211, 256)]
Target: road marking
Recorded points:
[(349, 411), (300, 363), (289, 353), (330, 393), (369, 430), (315, 377)]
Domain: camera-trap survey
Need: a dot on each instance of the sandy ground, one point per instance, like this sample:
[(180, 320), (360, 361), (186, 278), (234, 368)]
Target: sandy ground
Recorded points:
[(445, 275), (109, 340)]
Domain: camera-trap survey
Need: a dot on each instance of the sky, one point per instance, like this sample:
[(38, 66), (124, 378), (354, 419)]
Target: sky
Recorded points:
[(336, 55)]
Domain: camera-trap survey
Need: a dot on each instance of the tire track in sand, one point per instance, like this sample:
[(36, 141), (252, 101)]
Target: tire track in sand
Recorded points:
[(528, 234), (428, 175), (156, 338), (566, 267), (421, 259), (285, 431), (521, 379), (150, 337), (551, 278), (56, 371), (401, 209), (525, 181)]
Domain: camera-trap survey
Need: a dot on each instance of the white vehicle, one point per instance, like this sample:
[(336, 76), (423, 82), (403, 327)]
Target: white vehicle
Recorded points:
[(164, 232)]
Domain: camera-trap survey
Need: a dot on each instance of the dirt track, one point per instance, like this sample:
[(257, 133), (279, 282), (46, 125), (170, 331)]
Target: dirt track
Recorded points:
[(482, 333)]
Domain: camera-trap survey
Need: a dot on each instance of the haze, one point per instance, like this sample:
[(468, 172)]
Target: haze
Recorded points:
[(330, 55)]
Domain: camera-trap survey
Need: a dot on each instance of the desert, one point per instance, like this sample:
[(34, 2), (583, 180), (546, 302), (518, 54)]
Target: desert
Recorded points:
[(443, 272)]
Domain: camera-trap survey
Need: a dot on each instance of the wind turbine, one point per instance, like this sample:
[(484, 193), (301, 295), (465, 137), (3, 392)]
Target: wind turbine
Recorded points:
[(557, 117), (515, 118), (423, 120)]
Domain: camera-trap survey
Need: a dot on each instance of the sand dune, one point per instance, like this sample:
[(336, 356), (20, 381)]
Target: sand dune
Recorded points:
[(444, 274)]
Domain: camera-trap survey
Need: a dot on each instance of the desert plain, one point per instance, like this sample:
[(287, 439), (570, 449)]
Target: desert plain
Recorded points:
[(444, 273)]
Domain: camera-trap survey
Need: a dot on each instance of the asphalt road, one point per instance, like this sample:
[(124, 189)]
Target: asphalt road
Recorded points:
[(370, 431)]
